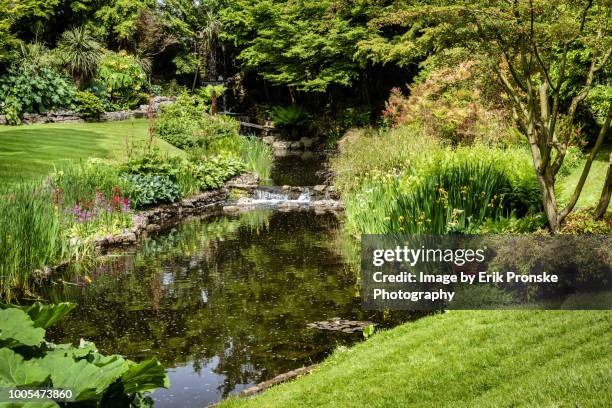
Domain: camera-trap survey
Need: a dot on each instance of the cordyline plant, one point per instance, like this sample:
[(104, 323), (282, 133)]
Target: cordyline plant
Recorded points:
[(531, 47)]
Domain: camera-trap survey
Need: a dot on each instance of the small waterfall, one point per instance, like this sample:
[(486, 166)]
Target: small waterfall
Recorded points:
[(305, 196), (270, 195), (276, 195)]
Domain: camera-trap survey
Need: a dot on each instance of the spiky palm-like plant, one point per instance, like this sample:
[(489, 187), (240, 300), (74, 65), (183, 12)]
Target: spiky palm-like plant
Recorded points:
[(81, 53)]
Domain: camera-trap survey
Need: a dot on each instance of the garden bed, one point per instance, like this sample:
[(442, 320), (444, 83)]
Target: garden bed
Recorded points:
[(155, 218)]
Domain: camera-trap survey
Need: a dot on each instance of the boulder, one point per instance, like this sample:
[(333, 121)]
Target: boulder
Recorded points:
[(319, 188), (281, 145), (268, 140), (306, 142)]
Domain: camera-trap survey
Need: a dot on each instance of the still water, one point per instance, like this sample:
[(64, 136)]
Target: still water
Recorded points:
[(223, 302)]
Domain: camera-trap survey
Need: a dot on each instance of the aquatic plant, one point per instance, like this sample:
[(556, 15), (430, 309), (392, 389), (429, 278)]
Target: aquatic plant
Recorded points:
[(28, 360), (31, 235), (455, 197), (258, 157)]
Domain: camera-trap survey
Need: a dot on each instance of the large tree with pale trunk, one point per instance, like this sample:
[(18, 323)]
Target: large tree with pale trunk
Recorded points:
[(528, 45)]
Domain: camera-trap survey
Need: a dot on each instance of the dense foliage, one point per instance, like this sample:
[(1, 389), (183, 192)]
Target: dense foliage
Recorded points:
[(88, 104), (28, 360), (405, 181), (33, 89)]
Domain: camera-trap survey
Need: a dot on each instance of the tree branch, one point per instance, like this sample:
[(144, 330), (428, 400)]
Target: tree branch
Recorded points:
[(587, 167)]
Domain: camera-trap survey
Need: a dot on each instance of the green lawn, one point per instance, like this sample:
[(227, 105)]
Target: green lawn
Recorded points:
[(465, 359), (27, 152), (594, 183)]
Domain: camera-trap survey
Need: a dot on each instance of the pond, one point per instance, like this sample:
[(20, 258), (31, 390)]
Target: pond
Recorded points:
[(298, 169), (222, 301)]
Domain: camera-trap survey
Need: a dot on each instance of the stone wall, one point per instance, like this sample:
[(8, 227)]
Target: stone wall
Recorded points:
[(67, 116)]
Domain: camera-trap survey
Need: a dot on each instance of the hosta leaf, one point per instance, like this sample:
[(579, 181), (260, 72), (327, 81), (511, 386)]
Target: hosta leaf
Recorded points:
[(17, 328), (15, 371), (145, 376)]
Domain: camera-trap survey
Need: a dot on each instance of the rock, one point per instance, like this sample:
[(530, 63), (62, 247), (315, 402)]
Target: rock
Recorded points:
[(268, 140), (319, 188), (116, 116), (231, 209), (306, 142), (331, 205), (247, 181), (3, 120), (281, 145), (295, 145), (337, 324), (288, 204), (286, 187), (153, 227), (245, 201)]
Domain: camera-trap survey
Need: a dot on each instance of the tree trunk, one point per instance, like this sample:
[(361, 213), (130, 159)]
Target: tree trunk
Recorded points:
[(549, 201), (604, 201), (213, 102)]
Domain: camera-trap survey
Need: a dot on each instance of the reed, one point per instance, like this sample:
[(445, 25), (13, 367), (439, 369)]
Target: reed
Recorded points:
[(31, 235), (257, 156), (453, 199)]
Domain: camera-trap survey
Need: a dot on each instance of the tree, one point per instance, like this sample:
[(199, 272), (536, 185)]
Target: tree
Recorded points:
[(306, 45), (13, 15), (526, 43)]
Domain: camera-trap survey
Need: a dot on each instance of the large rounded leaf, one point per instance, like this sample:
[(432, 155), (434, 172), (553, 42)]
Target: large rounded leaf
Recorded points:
[(17, 328), (15, 371)]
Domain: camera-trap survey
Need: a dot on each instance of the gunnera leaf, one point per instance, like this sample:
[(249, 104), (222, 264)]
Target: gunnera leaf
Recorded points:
[(87, 381), (47, 315), (31, 404), (15, 371), (145, 376), (17, 328)]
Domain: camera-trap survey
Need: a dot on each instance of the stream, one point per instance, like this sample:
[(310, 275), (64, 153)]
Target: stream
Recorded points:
[(223, 301)]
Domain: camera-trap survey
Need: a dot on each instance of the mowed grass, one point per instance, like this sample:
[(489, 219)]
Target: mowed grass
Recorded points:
[(31, 151), (465, 359), (594, 182)]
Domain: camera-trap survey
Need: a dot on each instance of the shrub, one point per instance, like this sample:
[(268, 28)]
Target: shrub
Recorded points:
[(452, 104), (153, 162), (34, 90), (88, 104), (150, 189), (123, 77), (284, 116), (209, 173), (205, 94), (31, 361), (177, 122), (185, 124), (582, 222), (175, 173)]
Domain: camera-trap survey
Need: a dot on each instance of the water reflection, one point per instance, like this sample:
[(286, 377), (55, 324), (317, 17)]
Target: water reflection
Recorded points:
[(222, 302)]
